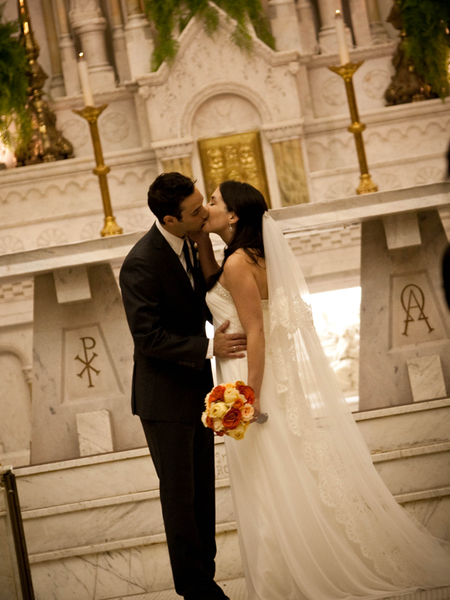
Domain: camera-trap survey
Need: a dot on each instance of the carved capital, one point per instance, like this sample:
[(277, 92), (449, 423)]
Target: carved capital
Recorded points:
[(145, 92), (284, 130), (169, 149)]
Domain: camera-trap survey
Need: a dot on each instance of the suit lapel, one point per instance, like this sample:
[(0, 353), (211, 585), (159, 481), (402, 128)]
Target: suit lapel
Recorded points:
[(170, 259)]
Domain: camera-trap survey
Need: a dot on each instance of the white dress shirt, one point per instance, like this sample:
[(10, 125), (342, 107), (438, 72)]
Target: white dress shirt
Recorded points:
[(176, 243)]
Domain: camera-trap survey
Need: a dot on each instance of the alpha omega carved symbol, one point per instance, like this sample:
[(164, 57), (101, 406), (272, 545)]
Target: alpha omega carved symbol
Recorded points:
[(88, 344), (413, 302)]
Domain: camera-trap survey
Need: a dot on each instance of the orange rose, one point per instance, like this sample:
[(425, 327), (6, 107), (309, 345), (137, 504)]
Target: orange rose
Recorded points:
[(209, 423), (232, 419), (216, 394), (246, 391), (238, 403)]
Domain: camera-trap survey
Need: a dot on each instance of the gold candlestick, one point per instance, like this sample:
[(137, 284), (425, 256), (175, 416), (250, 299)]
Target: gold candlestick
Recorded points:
[(91, 114), (366, 185), (47, 144)]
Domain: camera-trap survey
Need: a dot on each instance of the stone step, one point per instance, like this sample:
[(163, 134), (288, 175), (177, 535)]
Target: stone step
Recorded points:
[(94, 477), (415, 469), (406, 426), (107, 520), (418, 470), (132, 567), (95, 522)]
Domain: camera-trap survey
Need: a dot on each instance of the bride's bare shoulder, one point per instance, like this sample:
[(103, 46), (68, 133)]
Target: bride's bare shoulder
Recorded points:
[(237, 260), (246, 255)]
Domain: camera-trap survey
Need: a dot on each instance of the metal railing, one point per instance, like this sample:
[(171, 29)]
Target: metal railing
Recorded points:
[(8, 482)]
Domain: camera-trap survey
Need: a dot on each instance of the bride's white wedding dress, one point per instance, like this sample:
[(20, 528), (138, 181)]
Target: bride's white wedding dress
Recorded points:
[(315, 521)]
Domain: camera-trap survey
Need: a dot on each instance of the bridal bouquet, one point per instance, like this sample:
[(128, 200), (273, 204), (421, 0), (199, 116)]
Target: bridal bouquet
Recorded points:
[(228, 409)]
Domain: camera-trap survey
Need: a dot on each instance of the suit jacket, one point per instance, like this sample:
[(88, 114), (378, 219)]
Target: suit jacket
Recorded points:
[(167, 318)]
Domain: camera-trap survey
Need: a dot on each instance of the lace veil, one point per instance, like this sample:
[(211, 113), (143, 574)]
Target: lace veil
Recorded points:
[(316, 411)]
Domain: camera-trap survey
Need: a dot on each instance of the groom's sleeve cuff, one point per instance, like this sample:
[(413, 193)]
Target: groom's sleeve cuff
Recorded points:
[(210, 351)]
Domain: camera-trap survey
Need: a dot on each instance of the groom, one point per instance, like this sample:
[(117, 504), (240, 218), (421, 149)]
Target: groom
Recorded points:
[(164, 297)]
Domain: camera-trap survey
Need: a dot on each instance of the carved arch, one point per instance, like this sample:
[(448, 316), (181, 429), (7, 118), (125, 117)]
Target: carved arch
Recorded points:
[(224, 87)]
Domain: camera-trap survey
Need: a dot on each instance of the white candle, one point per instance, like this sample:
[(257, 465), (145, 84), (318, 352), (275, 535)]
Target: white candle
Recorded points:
[(340, 33), (84, 80)]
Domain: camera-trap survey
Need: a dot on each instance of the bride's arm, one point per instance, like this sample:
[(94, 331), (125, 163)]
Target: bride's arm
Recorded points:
[(206, 253), (240, 281)]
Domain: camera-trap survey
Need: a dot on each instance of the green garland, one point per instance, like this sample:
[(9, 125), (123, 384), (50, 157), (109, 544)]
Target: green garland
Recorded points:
[(13, 86), (426, 24), (165, 14)]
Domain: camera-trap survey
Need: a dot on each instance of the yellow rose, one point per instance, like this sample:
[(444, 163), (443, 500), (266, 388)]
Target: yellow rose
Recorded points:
[(204, 415), (239, 432), (230, 395), (218, 409), (217, 424), (247, 412)]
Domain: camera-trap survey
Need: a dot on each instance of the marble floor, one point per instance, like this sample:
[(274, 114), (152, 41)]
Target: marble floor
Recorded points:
[(236, 590)]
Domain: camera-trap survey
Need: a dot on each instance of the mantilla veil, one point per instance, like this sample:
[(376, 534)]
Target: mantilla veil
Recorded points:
[(401, 549)]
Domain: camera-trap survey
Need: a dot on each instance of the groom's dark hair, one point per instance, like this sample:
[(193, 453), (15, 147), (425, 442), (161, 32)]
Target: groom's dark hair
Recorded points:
[(166, 194), (249, 205)]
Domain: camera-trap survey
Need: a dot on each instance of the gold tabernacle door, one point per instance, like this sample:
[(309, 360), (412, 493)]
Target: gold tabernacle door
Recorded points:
[(238, 157)]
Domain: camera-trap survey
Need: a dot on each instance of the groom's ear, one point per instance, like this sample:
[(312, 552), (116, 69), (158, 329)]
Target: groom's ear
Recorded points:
[(170, 220)]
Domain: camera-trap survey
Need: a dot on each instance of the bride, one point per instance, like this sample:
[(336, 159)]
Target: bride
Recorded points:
[(315, 521)]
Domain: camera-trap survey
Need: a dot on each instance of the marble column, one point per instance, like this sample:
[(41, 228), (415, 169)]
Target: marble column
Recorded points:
[(174, 155), (90, 25), (377, 29), (119, 42), (307, 27), (360, 21), (138, 39), (57, 87), (289, 157), (284, 24), (405, 323), (68, 52), (327, 33)]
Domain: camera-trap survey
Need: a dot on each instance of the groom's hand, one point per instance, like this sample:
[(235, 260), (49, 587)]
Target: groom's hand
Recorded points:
[(229, 345)]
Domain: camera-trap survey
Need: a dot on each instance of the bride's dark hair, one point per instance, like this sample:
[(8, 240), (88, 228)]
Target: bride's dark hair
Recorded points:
[(249, 205)]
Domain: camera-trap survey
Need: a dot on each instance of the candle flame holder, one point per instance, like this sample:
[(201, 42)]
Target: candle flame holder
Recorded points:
[(366, 185), (91, 114)]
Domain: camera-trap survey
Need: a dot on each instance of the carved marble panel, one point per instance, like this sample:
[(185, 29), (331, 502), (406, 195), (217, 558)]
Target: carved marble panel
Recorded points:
[(291, 172), (223, 115), (207, 67), (82, 363), (415, 316), (118, 127), (370, 80), (403, 312)]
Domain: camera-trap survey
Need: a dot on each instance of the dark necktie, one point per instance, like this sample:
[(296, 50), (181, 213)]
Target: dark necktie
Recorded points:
[(187, 256)]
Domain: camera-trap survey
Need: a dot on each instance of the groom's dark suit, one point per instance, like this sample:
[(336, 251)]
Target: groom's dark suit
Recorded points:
[(170, 380)]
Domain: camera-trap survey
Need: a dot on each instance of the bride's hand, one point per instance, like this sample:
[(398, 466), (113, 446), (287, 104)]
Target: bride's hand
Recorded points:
[(256, 409), (199, 237), (258, 416)]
